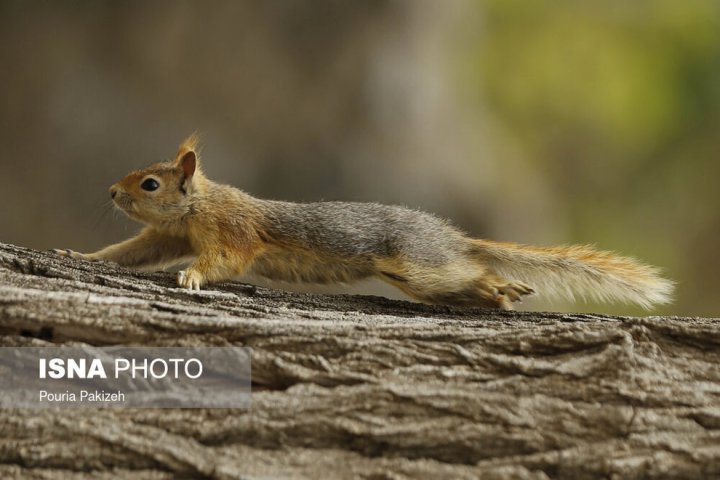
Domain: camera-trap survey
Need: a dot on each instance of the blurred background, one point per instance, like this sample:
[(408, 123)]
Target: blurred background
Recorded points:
[(543, 122)]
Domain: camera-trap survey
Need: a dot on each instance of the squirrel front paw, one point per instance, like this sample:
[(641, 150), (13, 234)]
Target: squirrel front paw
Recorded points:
[(66, 252), (190, 279)]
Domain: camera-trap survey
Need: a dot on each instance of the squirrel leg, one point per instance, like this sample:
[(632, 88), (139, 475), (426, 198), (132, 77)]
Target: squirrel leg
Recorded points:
[(454, 285), (149, 248), (484, 292)]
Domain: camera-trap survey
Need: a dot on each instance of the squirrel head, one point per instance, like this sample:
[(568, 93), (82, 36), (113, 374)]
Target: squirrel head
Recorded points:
[(161, 194)]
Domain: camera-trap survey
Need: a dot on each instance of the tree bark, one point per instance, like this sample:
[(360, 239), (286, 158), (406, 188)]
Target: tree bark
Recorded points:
[(348, 386)]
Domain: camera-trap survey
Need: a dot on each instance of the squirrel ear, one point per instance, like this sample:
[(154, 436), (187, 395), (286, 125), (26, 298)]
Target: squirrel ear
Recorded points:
[(188, 146), (188, 162)]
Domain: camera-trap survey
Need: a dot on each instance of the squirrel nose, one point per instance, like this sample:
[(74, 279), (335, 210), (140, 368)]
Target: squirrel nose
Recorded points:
[(113, 192)]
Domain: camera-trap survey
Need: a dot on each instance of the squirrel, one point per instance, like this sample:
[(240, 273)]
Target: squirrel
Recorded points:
[(228, 232)]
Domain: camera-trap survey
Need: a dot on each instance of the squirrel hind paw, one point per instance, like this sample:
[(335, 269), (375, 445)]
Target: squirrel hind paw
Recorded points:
[(502, 295), (515, 291)]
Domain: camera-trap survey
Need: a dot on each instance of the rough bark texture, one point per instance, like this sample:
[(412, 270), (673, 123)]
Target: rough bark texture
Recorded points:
[(348, 387)]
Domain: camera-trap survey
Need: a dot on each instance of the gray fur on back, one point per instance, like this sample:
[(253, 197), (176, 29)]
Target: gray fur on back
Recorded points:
[(365, 229)]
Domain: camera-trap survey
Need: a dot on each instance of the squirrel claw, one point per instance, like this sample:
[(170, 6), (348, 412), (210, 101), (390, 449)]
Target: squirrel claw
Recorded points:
[(188, 279)]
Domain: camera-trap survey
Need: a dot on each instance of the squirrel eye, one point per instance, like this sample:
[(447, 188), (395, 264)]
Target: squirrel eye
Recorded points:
[(150, 184)]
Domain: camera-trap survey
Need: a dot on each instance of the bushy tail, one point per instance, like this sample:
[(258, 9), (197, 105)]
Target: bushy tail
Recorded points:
[(577, 271)]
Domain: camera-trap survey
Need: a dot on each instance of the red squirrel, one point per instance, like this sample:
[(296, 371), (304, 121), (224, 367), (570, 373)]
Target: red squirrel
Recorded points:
[(228, 232)]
